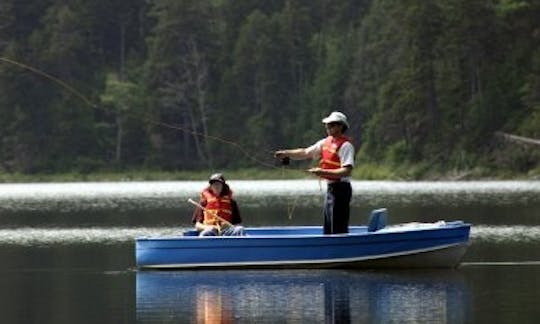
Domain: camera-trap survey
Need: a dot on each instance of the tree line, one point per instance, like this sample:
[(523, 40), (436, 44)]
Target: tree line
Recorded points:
[(191, 84)]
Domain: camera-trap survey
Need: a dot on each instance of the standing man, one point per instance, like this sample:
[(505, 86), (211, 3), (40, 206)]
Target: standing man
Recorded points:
[(336, 154)]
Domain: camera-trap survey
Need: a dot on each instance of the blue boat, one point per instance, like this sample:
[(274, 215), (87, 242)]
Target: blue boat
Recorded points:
[(410, 245)]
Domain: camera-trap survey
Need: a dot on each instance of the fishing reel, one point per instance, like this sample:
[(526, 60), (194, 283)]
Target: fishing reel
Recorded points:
[(285, 161)]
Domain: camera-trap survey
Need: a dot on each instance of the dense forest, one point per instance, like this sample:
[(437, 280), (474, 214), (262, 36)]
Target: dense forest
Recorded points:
[(197, 84)]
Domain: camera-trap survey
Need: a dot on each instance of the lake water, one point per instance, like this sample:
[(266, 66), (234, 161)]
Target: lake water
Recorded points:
[(67, 256)]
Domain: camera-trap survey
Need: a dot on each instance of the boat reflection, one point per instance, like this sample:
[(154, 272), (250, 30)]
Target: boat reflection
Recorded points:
[(321, 296), (213, 306)]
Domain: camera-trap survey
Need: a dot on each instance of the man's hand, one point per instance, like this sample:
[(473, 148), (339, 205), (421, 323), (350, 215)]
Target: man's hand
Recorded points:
[(295, 154), (281, 154), (340, 172), (316, 171)]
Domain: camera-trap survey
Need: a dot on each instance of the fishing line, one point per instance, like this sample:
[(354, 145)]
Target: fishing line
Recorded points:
[(78, 94), (59, 82)]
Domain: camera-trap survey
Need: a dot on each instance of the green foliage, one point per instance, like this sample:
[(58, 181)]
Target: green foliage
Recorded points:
[(119, 95), (397, 153), (531, 96), (333, 60), (506, 7), (205, 84), (369, 171)]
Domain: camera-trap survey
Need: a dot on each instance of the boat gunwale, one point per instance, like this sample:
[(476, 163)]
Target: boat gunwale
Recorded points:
[(447, 226)]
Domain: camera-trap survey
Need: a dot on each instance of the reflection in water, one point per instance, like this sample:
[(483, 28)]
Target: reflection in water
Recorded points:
[(508, 233), (213, 306), (336, 304), (129, 196), (30, 236), (319, 296)]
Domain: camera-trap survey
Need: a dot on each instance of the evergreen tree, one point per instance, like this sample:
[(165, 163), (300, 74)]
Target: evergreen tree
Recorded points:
[(63, 49), (180, 77), (187, 84)]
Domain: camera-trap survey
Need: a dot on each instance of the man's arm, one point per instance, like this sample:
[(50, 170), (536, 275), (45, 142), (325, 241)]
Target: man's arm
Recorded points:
[(340, 172), (295, 154), (301, 153)]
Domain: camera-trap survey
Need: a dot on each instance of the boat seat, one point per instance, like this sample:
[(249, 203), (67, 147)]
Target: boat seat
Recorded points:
[(377, 219)]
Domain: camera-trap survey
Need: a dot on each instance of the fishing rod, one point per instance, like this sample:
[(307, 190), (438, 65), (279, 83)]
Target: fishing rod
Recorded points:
[(284, 161), (147, 119), (214, 214), (56, 80)]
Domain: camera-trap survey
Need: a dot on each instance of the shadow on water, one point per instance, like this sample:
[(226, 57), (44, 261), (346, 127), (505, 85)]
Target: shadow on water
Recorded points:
[(318, 296)]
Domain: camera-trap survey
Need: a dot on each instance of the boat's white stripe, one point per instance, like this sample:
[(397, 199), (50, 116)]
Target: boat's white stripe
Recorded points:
[(296, 262)]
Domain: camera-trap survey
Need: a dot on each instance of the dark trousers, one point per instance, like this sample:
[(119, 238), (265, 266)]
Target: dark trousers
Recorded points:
[(336, 208)]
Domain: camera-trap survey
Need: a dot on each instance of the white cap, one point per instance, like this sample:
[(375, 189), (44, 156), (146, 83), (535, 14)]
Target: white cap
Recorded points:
[(336, 117)]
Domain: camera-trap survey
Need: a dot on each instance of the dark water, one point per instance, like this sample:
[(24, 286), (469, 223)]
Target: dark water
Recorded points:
[(67, 257)]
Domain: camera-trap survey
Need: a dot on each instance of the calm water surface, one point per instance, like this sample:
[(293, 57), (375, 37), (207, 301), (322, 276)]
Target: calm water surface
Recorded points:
[(68, 256)]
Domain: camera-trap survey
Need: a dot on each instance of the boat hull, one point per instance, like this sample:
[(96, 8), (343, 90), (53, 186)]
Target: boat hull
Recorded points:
[(305, 247)]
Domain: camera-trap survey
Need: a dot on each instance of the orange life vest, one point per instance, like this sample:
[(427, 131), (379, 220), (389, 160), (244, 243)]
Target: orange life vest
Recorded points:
[(216, 205), (330, 154)]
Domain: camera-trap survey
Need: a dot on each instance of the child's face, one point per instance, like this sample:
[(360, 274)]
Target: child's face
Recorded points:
[(216, 187)]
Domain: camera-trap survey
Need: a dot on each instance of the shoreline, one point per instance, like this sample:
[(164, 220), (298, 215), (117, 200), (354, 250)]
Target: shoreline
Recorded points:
[(362, 172)]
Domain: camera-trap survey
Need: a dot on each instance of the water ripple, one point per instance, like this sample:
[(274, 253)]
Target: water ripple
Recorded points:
[(127, 196), (29, 236), (508, 233)]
